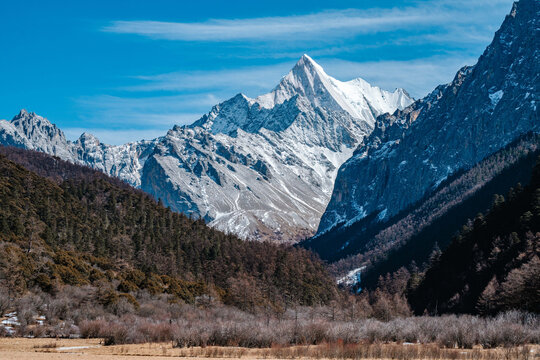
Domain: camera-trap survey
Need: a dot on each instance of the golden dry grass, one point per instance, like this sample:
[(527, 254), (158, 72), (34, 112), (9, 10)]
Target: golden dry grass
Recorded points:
[(91, 349)]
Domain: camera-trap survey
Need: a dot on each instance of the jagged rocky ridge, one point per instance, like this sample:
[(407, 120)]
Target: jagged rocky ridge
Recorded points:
[(261, 168), (412, 151)]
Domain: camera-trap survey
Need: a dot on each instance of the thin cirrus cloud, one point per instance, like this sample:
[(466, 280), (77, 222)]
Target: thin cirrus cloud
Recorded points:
[(245, 79), (131, 118), (447, 15), (118, 106), (258, 29), (417, 76), (443, 34)]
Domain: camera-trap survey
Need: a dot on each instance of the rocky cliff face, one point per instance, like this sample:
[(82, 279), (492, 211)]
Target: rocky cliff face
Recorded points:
[(411, 152), (261, 168)]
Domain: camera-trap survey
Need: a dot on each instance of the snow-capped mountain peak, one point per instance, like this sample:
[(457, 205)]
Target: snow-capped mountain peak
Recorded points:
[(32, 131), (357, 97), (87, 139), (261, 168), (30, 121), (307, 79), (306, 86), (22, 113)]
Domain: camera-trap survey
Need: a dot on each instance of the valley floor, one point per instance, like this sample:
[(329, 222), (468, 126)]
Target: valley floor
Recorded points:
[(91, 349)]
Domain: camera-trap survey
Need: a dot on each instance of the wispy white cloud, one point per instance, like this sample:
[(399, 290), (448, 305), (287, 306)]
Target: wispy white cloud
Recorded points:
[(417, 76), (245, 79), (113, 103), (267, 28), (146, 111), (131, 118), (447, 15)]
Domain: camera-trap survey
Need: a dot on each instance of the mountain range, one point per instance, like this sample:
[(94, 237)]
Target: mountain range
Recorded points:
[(381, 192), (260, 168), (318, 156), (416, 152)]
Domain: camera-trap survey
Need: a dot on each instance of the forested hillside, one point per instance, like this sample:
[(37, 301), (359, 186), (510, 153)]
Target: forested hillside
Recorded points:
[(65, 224), (386, 246), (493, 265), (429, 228)]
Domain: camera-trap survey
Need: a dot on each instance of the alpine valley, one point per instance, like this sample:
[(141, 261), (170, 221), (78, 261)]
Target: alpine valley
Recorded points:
[(423, 171), (260, 168), (383, 227)]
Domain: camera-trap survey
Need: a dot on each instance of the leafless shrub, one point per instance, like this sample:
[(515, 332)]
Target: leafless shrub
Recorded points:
[(153, 332), (5, 301), (58, 308), (346, 332), (121, 307), (510, 329), (175, 310), (4, 332), (26, 310), (461, 332), (76, 311), (92, 328), (51, 345), (154, 310), (186, 335), (61, 329), (115, 333)]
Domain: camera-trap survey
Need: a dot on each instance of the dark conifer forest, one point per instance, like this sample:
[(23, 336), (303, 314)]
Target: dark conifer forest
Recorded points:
[(67, 224), (493, 265), (410, 237)]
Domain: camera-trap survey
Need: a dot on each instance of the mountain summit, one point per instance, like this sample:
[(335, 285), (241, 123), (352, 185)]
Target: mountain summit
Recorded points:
[(264, 168), (304, 88), (357, 97), (261, 168)]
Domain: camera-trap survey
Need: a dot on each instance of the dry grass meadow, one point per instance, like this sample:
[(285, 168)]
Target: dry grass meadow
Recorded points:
[(92, 349)]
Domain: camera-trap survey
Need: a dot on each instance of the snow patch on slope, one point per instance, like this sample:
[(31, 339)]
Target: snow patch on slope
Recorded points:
[(496, 97)]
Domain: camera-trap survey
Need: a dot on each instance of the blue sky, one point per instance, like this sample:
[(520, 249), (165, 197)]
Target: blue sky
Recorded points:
[(130, 69)]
